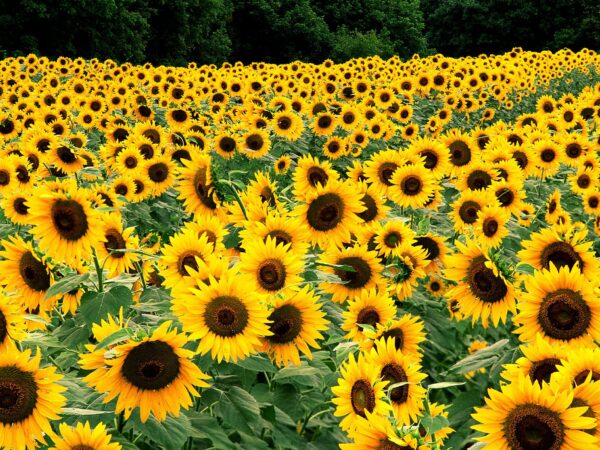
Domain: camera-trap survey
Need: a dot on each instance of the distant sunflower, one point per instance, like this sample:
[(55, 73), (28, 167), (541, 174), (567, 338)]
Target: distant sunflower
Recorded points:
[(331, 213), (482, 292), (284, 229), (375, 208), (228, 319), (24, 272), (155, 374), (311, 173), (371, 308), (268, 267), (84, 437), (394, 367), (282, 164), (160, 172), (460, 147), (561, 305), (465, 210), (490, 227), (381, 167), (525, 415), (436, 250), (434, 155), (561, 249), (392, 236), (14, 205), (359, 390), (436, 286), (255, 144), (31, 397), (65, 224), (296, 323)]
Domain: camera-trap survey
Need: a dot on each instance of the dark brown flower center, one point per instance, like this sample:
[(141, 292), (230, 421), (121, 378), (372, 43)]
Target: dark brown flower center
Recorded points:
[(484, 284), (561, 254), (469, 211), (158, 172), (505, 196), (460, 153), (394, 373), (3, 327), (386, 171), (478, 179), (548, 155), (151, 365), (254, 142), (543, 370), (114, 241), (69, 219), (367, 316), (131, 162), (532, 427), (18, 395), (271, 274), (186, 260), (4, 178), (371, 208), (357, 278), (582, 376), (34, 273), (397, 335), (362, 397), (325, 212), (287, 324), (204, 190), (573, 150), (429, 244), (490, 227), (564, 315), (431, 159), (521, 158), (226, 316), (20, 206), (316, 175), (411, 185)]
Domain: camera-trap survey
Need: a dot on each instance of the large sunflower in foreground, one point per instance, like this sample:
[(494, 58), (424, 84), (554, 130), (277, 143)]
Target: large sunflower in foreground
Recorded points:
[(562, 249), (24, 272), (269, 267), (528, 416), (561, 305), (155, 374), (482, 292), (296, 323), (65, 224), (84, 437), (331, 213), (359, 390), (376, 433), (30, 398), (228, 319), (396, 367)]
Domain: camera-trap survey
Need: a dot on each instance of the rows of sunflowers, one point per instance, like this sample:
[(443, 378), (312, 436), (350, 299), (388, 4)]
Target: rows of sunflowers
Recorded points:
[(370, 255)]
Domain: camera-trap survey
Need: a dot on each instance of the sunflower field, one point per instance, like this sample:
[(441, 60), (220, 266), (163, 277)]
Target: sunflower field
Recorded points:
[(380, 254)]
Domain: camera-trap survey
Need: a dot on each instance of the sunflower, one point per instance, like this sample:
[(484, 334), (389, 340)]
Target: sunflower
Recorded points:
[(380, 168), (390, 237), (460, 147), (227, 318), (547, 157), (375, 208), (584, 180), (284, 229), (14, 205), (510, 195), (412, 186), (226, 144), (465, 210), (213, 228), (331, 213), (30, 397), (562, 249), (396, 367), (372, 307), (12, 324), (128, 160), (196, 187), (490, 227), (561, 305), (255, 144), (436, 286), (436, 250), (578, 364), (287, 125), (23, 271), (482, 291), (296, 323), (376, 433), (324, 124), (591, 202), (268, 267), (116, 239), (84, 437), (359, 390), (311, 173), (182, 254), (527, 415), (155, 373), (335, 147), (65, 224), (407, 332), (160, 172), (588, 394), (282, 164), (541, 361), (434, 154), (476, 177)]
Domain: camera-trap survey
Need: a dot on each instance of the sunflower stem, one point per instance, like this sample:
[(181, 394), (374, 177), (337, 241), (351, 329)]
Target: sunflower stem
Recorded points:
[(138, 267), (98, 271), (121, 422)]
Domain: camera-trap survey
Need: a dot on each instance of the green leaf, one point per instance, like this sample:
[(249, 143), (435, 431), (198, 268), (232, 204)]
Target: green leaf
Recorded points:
[(239, 409), (83, 412), (98, 305), (295, 372), (171, 434), (207, 427), (118, 336), (434, 424), (257, 364), (67, 284), (481, 358)]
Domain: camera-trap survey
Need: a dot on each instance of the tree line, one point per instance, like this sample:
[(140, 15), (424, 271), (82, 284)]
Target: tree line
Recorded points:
[(174, 32)]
